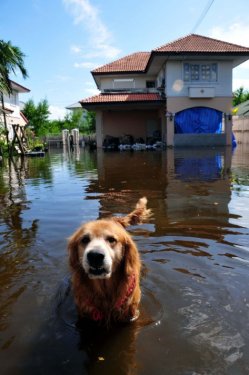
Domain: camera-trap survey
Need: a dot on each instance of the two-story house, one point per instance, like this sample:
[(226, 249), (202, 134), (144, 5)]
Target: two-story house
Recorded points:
[(181, 90), (12, 111)]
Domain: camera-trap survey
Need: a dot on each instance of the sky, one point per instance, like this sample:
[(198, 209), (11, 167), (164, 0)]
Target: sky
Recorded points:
[(63, 40)]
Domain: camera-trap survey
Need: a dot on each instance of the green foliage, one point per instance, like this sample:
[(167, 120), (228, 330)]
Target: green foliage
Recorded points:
[(34, 142), (37, 116), (74, 119), (89, 126), (3, 147), (240, 95), (78, 119), (3, 143), (11, 59), (55, 126)]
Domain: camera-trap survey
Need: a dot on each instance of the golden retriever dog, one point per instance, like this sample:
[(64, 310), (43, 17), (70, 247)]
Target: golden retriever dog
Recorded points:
[(106, 267)]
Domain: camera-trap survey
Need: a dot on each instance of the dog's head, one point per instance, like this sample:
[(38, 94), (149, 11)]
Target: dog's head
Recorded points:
[(99, 247)]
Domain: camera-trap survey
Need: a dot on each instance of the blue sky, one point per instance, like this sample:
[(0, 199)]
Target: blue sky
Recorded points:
[(63, 40)]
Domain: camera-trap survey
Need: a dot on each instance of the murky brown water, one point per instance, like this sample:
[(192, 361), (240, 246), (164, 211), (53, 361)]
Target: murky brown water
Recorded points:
[(195, 305)]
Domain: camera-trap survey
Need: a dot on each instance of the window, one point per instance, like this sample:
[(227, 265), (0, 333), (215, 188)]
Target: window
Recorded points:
[(200, 72), (123, 83), (150, 84)]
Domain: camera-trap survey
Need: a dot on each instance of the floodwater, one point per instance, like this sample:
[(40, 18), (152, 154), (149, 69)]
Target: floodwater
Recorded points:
[(195, 250)]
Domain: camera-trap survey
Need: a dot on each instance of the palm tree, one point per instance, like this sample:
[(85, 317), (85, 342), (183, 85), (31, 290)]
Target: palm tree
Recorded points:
[(11, 59)]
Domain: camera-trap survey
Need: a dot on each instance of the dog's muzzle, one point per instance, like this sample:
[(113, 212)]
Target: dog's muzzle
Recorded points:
[(97, 265)]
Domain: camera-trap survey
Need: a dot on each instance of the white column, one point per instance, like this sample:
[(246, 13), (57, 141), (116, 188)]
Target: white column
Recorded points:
[(163, 125), (170, 131), (99, 128), (228, 129)]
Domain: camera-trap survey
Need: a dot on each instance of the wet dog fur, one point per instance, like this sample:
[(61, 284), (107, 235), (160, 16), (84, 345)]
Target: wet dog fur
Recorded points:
[(106, 267)]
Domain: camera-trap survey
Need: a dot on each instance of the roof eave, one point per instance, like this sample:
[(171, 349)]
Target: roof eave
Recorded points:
[(118, 72), (16, 86), (105, 105)]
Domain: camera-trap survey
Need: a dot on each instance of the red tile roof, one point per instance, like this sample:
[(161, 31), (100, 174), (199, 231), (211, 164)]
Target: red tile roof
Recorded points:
[(122, 98), (199, 43), (193, 43), (135, 62)]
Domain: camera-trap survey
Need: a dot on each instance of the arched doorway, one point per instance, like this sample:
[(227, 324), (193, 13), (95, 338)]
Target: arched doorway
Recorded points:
[(198, 120)]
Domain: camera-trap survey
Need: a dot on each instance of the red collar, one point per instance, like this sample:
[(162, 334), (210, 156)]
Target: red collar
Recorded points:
[(97, 315)]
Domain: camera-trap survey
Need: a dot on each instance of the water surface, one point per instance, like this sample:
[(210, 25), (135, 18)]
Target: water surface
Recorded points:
[(195, 251)]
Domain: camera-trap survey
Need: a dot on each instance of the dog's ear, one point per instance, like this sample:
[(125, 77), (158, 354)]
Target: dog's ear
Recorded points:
[(137, 216), (73, 252), (131, 258)]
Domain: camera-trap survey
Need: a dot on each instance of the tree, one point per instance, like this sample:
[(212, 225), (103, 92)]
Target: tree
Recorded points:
[(11, 59), (240, 95), (84, 120), (37, 116), (73, 120), (89, 123)]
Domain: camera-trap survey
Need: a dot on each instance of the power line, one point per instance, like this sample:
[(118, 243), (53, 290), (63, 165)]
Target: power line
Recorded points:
[(203, 15)]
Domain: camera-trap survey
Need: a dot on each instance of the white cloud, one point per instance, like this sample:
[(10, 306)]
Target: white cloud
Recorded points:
[(86, 65), (56, 113), (101, 44), (240, 82), (75, 49), (91, 92), (90, 83), (236, 33)]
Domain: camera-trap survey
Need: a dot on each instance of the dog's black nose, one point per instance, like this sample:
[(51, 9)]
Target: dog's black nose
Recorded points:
[(95, 259)]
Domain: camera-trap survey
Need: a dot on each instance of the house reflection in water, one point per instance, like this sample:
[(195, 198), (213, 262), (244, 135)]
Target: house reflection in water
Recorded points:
[(186, 188)]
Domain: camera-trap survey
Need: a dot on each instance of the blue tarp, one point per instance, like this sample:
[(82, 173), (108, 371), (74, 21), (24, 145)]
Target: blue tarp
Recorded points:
[(198, 120), (203, 169)]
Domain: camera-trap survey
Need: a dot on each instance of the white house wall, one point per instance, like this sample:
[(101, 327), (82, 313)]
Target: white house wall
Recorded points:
[(12, 102), (139, 81), (176, 87)]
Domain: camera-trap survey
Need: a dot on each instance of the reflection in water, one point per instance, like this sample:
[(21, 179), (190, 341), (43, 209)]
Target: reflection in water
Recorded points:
[(195, 305), (16, 238), (189, 167)]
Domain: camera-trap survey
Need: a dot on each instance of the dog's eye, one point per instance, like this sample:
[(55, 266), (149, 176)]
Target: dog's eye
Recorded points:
[(85, 239), (111, 239)]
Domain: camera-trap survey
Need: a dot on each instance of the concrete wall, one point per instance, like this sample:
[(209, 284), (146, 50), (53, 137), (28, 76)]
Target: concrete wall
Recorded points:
[(176, 104), (134, 122), (196, 140), (12, 102), (241, 129), (139, 81)]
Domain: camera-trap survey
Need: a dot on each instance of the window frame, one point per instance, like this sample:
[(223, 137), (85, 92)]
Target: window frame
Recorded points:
[(150, 84), (197, 70)]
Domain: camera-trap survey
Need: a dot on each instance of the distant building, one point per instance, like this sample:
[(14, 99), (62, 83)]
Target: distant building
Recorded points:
[(75, 107), (181, 90), (14, 116)]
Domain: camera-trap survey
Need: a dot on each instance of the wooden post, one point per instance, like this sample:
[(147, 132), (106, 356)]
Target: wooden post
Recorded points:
[(19, 139)]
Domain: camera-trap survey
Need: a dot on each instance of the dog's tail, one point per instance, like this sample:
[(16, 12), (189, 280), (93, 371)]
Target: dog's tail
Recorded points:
[(137, 216)]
